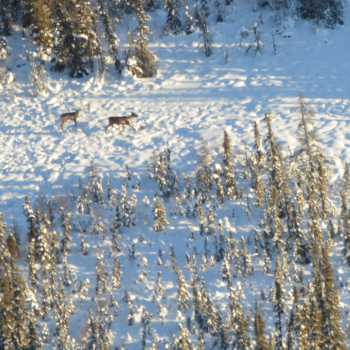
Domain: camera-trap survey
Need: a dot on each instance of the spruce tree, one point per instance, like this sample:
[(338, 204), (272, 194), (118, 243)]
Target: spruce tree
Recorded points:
[(224, 332), (190, 23), (302, 325), (315, 229), (344, 195), (241, 321), (278, 308), (183, 294), (15, 316), (230, 183), (110, 35), (62, 318), (346, 249), (315, 328), (36, 14), (30, 218), (300, 199), (278, 177), (246, 261), (259, 157), (293, 319), (160, 219), (220, 192), (260, 188), (302, 248), (142, 58), (86, 44), (219, 11), (67, 228), (95, 184), (266, 263), (328, 11), (260, 335), (204, 8), (207, 39), (158, 288), (62, 28), (75, 41), (123, 210), (4, 252), (160, 171), (184, 342), (204, 173), (313, 174), (331, 313), (166, 178), (35, 341), (274, 224), (91, 333), (116, 275), (33, 277), (173, 22), (6, 18), (101, 274), (45, 333)]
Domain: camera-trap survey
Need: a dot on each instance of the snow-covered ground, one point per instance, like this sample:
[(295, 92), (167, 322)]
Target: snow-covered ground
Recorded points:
[(191, 99)]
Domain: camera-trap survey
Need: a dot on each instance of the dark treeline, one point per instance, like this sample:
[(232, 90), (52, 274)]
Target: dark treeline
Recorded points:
[(78, 35)]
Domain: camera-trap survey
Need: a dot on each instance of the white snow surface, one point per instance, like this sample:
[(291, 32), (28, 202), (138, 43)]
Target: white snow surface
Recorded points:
[(191, 99)]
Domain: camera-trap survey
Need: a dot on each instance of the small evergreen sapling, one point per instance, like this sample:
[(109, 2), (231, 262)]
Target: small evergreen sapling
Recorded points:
[(245, 259), (95, 184), (116, 274), (159, 213), (219, 11), (173, 22), (101, 274), (266, 263), (330, 307), (259, 157), (141, 61), (30, 218), (37, 74), (220, 192), (260, 333), (83, 245), (67, 228), (230, 183), (45, 333), (207, 39), (190, 23), (183, 294), (204, 174)]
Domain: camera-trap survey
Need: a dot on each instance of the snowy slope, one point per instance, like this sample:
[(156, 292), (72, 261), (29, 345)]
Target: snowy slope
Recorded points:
[(192, 98)]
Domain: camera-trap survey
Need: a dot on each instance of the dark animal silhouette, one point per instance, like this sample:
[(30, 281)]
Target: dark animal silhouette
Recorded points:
[(70, 116), (121, 121)]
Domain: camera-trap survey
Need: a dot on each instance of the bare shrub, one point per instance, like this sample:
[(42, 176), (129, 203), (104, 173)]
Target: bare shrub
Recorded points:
[(257, 45)]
